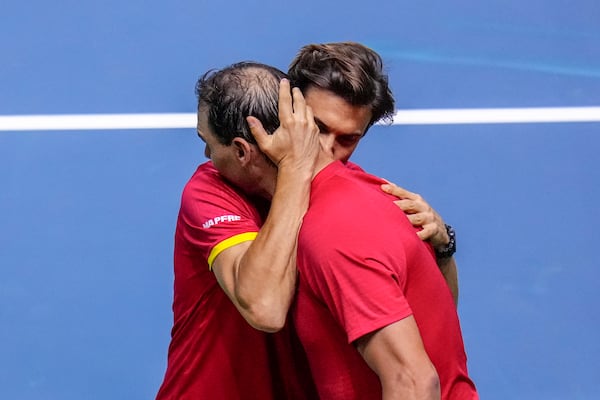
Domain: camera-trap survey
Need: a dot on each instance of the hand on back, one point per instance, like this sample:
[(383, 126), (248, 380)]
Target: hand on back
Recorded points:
[(420, 214)]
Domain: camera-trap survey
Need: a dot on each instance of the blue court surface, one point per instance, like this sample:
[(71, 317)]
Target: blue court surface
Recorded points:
[(87, 216)]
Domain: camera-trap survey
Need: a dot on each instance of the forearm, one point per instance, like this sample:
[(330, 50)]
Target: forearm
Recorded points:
[(450, 272), (266, 275)]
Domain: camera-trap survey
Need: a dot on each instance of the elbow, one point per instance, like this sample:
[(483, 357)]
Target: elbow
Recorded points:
[(431, 384), (262, 314), (265, 319), (422, 384), (265, 310), (427, 382)]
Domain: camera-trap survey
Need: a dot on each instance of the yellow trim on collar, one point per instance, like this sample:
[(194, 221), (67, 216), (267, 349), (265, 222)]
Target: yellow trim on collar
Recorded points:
[(227, 243)]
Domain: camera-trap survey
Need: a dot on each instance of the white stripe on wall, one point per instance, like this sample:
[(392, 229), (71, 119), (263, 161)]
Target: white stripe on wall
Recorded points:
[(402, 117)]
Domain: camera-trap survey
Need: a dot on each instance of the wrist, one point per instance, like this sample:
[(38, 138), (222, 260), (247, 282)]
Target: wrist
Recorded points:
[(449, 249), (297, 175), (297, 172)]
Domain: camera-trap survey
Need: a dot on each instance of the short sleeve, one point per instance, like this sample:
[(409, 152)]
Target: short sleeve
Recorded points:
[(362, 289), (214, 217)]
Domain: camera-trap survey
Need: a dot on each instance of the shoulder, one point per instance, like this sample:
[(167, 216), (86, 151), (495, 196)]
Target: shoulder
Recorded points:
[(351, 165), (206, 180), (213, 212), (347, 209), (207, 198), (341, 190), (339, 175), (206, 186)]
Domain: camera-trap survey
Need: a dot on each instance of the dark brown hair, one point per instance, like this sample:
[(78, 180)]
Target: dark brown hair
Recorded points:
[(349, 70)]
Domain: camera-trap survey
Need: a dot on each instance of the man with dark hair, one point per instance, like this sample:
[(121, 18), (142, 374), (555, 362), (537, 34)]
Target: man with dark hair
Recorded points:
[(339, 80)]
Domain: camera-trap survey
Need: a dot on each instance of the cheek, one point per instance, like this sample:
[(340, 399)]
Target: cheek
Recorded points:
[(223, 164), (218, 163), (214, 157)]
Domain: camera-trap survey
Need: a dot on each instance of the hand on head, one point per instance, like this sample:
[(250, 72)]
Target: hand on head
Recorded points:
[(296, 142)]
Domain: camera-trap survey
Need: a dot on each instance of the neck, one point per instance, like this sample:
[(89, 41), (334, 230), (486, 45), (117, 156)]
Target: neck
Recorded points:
[(265, 186)]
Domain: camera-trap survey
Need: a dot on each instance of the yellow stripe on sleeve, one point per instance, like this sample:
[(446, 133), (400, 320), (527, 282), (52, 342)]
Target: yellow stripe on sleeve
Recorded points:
[(227, 243)]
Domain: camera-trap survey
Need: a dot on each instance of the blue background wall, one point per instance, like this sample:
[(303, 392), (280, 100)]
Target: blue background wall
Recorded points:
[(87, 217)]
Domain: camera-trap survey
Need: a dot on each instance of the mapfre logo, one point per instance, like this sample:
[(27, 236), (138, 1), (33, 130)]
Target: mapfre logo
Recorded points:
[(222, 218)]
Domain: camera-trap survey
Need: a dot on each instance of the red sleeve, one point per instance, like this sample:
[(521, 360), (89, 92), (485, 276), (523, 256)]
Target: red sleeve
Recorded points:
[(213, 216), (362, 294)]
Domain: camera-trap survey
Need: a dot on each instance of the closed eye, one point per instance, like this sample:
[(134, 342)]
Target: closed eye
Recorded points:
[(348, 140), (322, 127)]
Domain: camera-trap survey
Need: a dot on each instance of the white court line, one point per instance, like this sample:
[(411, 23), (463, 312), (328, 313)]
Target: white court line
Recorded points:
[(96, 122), (402, 117), (497, 115)]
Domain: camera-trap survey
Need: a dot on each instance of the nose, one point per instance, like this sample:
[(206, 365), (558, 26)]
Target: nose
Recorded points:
[(327, 143)]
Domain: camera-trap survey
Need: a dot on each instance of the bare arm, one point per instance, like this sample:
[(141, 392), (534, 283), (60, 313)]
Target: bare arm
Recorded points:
[(259, 276), (397, 356), (450, 272), (420, 213)]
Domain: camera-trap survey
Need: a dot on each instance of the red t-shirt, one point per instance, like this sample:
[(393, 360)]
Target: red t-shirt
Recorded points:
[(362, 267), (214, 353)]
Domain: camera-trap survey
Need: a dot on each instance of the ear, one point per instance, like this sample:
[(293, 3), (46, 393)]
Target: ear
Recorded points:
[(244, 151)]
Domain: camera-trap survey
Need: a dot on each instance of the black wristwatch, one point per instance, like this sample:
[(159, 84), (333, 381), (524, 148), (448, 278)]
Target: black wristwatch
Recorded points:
[(450, 248)]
